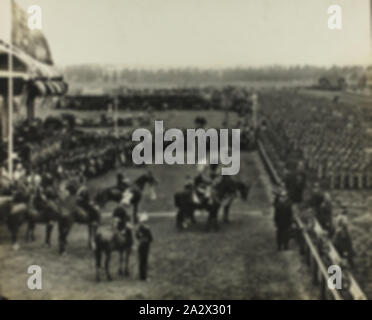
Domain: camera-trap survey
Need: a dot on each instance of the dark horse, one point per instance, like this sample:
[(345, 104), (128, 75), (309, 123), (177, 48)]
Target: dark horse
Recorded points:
[(106, 241), (73, 212), (131, 194), (46, 210), (220, 195), (15, 209)]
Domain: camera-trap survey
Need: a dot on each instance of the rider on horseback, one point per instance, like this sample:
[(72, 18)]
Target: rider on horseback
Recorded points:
[(84, 202), (121, 182)]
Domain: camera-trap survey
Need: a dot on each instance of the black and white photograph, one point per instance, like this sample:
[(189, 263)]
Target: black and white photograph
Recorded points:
[(185, 150)]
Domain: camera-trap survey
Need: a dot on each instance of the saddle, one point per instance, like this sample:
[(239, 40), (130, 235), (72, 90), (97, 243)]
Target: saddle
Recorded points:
[(123, 238)]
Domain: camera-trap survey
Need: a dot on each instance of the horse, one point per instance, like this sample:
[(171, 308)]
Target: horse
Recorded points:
[(72, 212), (131, 194), (46, 210), (228, 190), (12, 216), (107, 241)]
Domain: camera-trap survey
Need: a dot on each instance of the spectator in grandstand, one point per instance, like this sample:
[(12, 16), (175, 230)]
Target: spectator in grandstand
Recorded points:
[(182, 201), (295, 182), (316, 198), (120, 218), (283, 220)]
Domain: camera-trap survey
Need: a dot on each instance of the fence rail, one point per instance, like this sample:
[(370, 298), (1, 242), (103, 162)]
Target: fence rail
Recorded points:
[(310, 250)]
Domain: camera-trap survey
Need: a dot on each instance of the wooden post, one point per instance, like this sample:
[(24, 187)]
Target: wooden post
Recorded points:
[(323, 295), (315, 273)]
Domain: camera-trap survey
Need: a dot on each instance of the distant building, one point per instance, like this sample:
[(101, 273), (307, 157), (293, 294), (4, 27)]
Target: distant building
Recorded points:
[(369, 79), (356, 81)]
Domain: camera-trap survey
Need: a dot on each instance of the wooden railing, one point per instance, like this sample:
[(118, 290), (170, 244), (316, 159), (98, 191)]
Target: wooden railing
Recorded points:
[(311, 252)]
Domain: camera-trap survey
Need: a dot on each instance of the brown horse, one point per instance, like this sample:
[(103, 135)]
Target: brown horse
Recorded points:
[(217, 196), (45, 211), (13, 215)]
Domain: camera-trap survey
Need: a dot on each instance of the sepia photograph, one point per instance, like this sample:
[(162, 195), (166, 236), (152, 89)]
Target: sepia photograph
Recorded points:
[(185, 150)]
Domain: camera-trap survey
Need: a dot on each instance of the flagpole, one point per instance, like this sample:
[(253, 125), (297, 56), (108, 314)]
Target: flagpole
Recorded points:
[(10, 97)]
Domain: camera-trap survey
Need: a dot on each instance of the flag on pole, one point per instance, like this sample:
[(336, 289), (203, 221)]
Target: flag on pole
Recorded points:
[(30, 41)]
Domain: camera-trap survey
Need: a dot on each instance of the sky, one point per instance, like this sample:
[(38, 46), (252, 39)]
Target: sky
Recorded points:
[(204, 33)]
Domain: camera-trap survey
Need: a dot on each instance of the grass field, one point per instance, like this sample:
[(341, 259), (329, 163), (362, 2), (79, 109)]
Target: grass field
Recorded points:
[(238, 262)]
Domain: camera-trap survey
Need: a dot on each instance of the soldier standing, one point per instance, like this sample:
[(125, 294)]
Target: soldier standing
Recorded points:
[(182, 201), (283, 220), (144, 238)]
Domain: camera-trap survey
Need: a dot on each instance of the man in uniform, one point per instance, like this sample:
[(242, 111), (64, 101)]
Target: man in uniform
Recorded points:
[(183, 201), (144, 238), (283, 220), (295, 183)]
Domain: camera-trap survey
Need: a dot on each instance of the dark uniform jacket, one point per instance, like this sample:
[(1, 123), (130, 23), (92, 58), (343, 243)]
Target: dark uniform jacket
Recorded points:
[(122, 215), (283, 214)]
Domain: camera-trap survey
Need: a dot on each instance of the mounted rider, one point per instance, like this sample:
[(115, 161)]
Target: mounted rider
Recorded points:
[(84, 202), (182, 201)]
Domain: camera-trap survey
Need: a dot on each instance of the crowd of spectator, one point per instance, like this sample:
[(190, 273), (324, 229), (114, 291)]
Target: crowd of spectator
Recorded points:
[(331, 138)]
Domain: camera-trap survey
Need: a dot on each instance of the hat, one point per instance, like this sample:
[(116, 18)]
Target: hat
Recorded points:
[(126, 180), (143, 217)]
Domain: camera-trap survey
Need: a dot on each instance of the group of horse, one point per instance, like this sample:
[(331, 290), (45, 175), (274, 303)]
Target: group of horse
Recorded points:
[(61, 206)]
